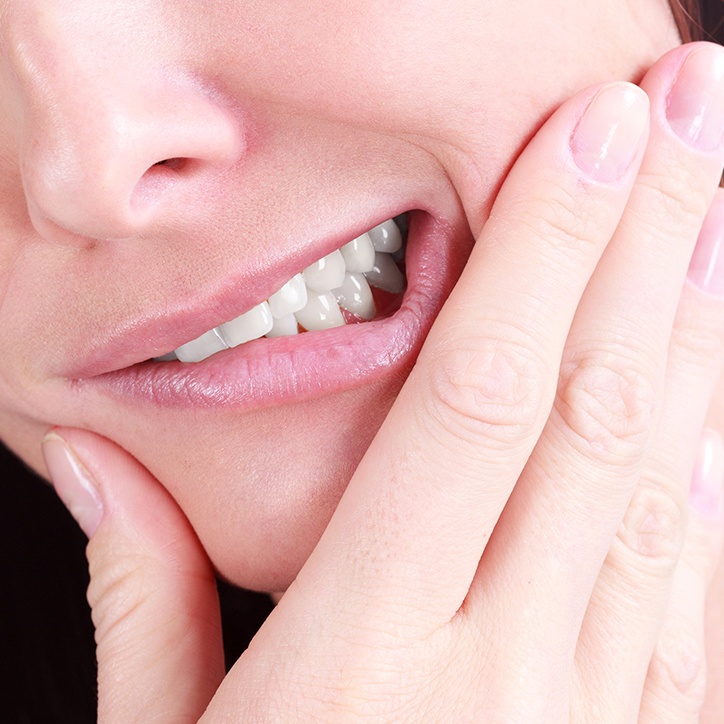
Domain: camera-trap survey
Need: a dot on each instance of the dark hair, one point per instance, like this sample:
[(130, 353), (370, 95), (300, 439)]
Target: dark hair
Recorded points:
[(699, 19)]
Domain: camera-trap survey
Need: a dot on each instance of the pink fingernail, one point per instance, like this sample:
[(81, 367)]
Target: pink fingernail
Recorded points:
[(706, 269), (607, 138), (695, 105), (707, 481), (73, 484)]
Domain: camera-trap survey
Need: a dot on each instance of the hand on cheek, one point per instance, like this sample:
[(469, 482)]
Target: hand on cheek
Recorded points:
[(509, 542)]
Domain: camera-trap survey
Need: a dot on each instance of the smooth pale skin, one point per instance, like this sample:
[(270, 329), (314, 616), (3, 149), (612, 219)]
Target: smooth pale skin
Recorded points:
[(571, 614), (500, 85), (61, 88)]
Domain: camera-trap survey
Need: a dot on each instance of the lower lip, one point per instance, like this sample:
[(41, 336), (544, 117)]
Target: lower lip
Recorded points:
[(268, 372)]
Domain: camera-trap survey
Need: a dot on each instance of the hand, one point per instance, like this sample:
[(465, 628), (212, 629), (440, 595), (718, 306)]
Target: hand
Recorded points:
[(511, 545)]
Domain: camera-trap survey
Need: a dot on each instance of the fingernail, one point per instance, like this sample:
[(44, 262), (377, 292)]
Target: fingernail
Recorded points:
[(695, 106), (607, 138), (73, 484), (706, 270), (707, 480)]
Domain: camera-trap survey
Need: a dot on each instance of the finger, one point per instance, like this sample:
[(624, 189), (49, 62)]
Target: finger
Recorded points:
[(152, 590), (574, 492), (632, 592), (675, 686), (417, 514)]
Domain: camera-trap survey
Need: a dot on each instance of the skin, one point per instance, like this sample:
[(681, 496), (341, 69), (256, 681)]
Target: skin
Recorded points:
[(453, 142), (449, 141), (586, 602)]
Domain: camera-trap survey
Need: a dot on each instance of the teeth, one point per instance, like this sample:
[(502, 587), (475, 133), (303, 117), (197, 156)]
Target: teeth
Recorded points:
[(355, 296), (284, 326), (202, 347), (290, 298), (320, 312), (251, 325), (325, 274), (386, 275), (386, 237), (170, 357), (359, 254), (312, 299)]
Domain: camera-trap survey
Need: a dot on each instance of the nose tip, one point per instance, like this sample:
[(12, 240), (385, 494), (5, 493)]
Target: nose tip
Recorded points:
[(110, 169)]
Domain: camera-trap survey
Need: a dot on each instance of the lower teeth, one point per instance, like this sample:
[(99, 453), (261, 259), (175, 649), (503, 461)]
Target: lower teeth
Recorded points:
[(316, 298)]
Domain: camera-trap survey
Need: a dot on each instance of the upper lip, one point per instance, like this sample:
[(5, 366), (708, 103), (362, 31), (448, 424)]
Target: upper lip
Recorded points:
[(155, 332)]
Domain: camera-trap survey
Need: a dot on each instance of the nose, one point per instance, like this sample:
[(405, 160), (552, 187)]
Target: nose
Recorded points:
[(112, 148)]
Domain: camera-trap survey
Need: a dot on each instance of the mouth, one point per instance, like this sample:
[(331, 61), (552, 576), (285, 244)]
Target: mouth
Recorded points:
[(359, 282), (273, 355)]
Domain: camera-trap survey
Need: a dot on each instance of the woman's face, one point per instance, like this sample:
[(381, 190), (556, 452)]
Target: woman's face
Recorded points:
[(288, 129)]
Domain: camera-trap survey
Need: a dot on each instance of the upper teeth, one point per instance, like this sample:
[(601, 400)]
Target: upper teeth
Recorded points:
[(313, 297)]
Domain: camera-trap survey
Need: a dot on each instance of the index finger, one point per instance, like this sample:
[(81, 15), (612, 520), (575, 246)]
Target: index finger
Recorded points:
[(417, 514)]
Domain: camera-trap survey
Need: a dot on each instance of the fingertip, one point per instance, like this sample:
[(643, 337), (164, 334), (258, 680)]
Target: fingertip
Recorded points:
[(73, 483), (152, 588), (686, 87), (607, 139), (706, 269), (695, 102), (130, 494), (706, 494)]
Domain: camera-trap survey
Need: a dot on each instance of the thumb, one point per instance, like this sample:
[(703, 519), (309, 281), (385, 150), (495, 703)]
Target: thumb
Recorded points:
[(152, 590)]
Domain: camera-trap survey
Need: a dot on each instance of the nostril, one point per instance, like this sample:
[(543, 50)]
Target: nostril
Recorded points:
[(157, 182), (165, 182), (147, 156), (173, 164)]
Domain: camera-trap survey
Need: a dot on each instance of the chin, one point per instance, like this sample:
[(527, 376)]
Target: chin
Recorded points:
[(259, 488), (256, 431)]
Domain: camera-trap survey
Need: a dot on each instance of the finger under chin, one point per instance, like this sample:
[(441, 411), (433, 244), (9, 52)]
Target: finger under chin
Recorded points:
[(152, 594)]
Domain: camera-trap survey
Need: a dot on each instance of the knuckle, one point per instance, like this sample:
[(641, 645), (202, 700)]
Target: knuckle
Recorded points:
[(560, 218), (489, 390), (563, 225), (679, 196), (678, 668), (700, 348), (652, 530), (607, 405), (117, 591)]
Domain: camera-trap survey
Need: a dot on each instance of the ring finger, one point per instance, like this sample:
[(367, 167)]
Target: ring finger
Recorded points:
[(632, 592), (675, 686)]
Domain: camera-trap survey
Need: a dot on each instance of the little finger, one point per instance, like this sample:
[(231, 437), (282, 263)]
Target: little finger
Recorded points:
[(675, 686)]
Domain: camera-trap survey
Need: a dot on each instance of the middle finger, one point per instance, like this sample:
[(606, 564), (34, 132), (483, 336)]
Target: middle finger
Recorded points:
[(565, 511)]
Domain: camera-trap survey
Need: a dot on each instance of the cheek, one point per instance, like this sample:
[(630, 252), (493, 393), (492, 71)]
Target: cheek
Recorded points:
[(405, 65)]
